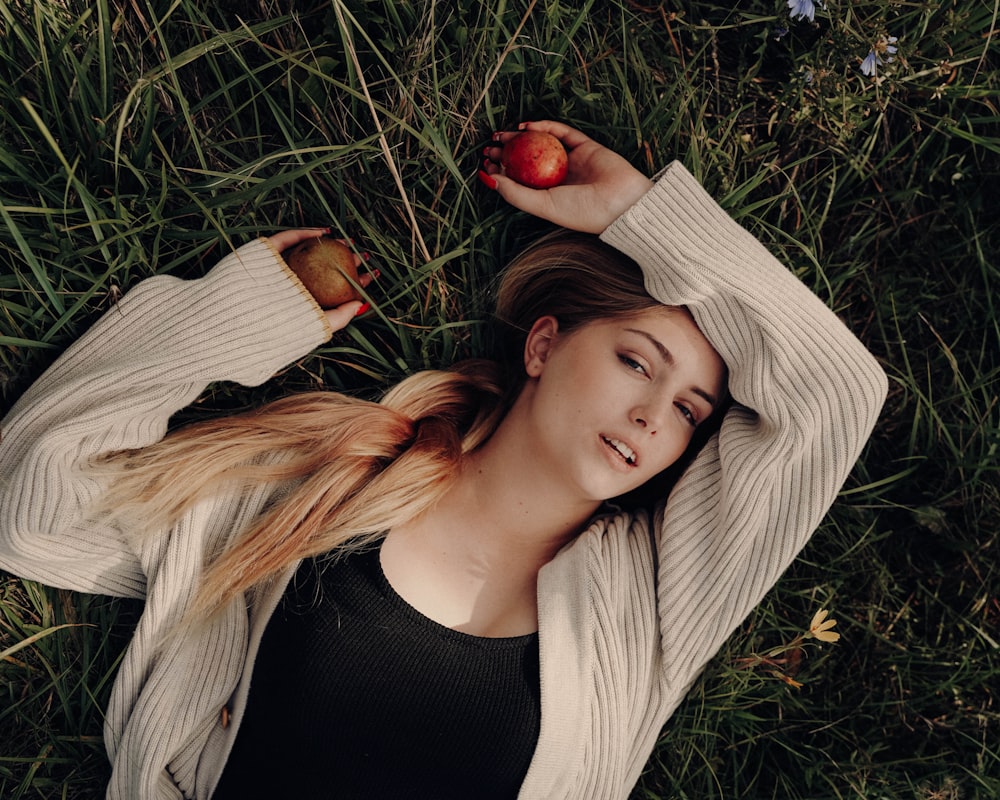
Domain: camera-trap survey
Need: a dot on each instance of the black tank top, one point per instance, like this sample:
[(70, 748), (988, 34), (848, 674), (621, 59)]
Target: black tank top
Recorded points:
[(356, 694)]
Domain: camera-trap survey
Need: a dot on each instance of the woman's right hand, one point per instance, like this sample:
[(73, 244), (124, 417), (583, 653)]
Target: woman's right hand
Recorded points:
[(599, 187), (342, 315)]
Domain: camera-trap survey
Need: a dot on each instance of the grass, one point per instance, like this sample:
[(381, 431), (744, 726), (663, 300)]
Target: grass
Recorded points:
[(140, 138)]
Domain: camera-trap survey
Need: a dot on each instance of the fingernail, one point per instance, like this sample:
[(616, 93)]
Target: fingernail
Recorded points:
[(522, 125), (496, 136), (489, 181), (362, 309), (366, 256), (376, 274)]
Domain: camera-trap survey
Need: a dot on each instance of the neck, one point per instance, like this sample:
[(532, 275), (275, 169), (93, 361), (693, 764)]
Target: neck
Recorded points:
[(471, 562), (509, 503), (515, 509)]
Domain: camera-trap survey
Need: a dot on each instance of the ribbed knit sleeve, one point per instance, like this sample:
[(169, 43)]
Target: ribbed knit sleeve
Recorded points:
[(116, 388), (807, 396)]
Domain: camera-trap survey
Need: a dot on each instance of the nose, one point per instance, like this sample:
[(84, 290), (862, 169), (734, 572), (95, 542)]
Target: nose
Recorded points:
[(643, 424), (649, 416)]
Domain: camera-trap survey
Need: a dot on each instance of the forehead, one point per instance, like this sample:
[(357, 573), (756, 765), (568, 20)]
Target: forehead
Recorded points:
[(671, 328), (674, 321)]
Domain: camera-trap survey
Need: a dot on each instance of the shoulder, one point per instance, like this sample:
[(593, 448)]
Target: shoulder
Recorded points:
[(614, 558)]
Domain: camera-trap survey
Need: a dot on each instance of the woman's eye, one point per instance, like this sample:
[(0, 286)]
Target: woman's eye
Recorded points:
[(632, 364), (688, 415)]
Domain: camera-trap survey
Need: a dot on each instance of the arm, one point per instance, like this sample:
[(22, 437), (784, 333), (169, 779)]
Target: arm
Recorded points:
[(116, 388), (807, 395)]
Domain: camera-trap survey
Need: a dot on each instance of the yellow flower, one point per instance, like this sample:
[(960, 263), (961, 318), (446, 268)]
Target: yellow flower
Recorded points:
[(790, 681), (820, 626)]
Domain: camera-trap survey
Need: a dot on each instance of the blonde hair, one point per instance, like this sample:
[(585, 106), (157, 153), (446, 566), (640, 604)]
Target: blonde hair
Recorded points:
[(347, 470)]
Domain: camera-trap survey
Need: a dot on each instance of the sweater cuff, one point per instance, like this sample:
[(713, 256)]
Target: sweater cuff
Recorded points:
[(266, 318), (687, 244), (317, 308)]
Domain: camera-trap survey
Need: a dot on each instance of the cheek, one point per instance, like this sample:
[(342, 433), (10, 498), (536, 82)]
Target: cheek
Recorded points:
[(674, 446), (576, 386)]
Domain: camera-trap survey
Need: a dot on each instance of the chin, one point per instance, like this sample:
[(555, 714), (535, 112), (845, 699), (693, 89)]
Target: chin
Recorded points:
[(615, 494), (652, 491)]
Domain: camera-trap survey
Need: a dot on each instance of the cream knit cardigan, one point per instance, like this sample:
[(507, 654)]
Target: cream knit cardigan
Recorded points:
[(629, 613)]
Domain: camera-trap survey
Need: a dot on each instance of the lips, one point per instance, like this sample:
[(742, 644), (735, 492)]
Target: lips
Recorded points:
[(627, 454)]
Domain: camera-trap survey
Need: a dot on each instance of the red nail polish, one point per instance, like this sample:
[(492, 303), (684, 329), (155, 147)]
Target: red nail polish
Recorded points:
[(488, 180), (376, 274), (362, 309)]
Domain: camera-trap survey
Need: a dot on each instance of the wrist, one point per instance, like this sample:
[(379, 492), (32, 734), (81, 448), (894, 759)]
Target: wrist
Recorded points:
[(630, 193)]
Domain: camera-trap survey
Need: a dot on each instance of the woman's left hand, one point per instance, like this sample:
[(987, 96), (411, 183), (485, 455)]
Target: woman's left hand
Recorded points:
[(343, 314), (599, 187)]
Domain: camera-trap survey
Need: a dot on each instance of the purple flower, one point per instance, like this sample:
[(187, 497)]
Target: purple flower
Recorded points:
[(802, 9), (870, 64), (883, 47)]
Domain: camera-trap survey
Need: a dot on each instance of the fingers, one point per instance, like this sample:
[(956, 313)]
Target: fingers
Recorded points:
[(284, 239), (541, 203), (570, 137), (341, 316), (537, 202), (491, 170), (518, 195), (344, 314)]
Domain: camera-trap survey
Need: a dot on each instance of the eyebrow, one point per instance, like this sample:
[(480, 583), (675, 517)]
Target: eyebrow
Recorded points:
[(669, 360)]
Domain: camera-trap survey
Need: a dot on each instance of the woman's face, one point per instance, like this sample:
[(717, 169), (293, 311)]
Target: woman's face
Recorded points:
[(615, 402)]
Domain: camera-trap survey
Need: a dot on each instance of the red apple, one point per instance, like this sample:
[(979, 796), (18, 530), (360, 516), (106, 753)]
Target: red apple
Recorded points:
[(323, 266), (534, 158)]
